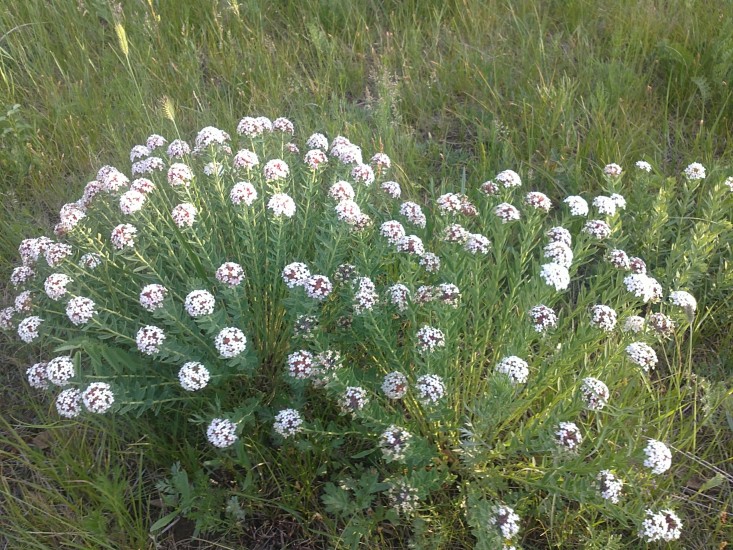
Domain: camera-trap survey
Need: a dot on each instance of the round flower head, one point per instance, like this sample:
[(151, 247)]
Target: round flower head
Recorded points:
[(342, 191), (637, 265), (184, 215), (21, 275), (560, 253), (515, 368), (28, 328), (56, 252), (123, 236), (70, 216), (276, 170), (180, 174), (612, 170), (148, 166), (395, 385), (448, 293), (353, 399), (425, 294), (729, 183), (477, 244), (152, 296), (619, 200), (662, 324), (300, 364), (230, 273), (413, 213), (695, 171), (98, 397), (230, 342), (430, 388), (90, 261), (642, 354), (6, 318), (605, 205), (555, 275), (304, 326), (661, 526), (411, 244), (91, 190), (603, 317), (578, 205), (253, 127), (80, 310), (317, 141), (55, 285), (347, 153), (131, 201), (658, 457), (598, 229), (243, 193), (643, 165), (642, 286), (114, 180), (345, 273), (450, 203), (292, 148), (609, 486), (193, 376), (455, 233), (199, 303), (381, 162), (348, 211), (392, 230), (222, 433), (245, 159), (429, 339), (29, 250), (633, 323), (506, 212), (543, 318), (684, 300), (489, 188), (619, 259), (281, 204), (318, 287), (392, 188), (595, 393), (213, 169), (37, 376), (288, 423), (508, 178), (430, 262), (295, 274), (506, 520), (366, 297), (538, 201), (178, 149), (155, 141), (60, 370), (403, 497), (394, 443), (284, 125), (568, 436), (149, 339), (209, 136), (315, 159), (68, 403), (399, 296), (560, 234), (139, 152)]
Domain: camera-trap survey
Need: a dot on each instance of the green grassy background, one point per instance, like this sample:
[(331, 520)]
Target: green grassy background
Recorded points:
[(453, 91)]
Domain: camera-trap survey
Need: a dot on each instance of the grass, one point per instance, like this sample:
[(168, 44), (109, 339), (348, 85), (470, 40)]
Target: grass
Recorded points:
[(452, 91)]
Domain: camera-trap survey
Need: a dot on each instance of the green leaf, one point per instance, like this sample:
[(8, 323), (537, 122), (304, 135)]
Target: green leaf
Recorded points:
[(162, 522)]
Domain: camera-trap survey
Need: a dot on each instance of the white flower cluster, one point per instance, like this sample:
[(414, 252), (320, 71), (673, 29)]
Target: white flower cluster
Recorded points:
[(90, 261), (392, 188), (559, 234), (430, 262), (21, 275), (643, 165), (281, 204), (243, 192), (555, 275), (56, 252), (342, 191), (180, 174), (598, 229), (664, 525), (642, 354), (643, 286), (595, 393), (55, 285), (132, 201), (68, 403), (295, 274), (177, 149), (366, 297), (254, 126), (411, 244), (210, 136), (662, 324), (123, 236), (395, 385), (199, 303), (193, 376), (300, 364), (318, 287), (414, 214), (578, 205), (543, 318), (230, 342), (477, 244), (80, 310), (37, 376), (393, 231), (403, 497), (637, 265), (28, 328), (288, 422), (430, 388), (245, 159), (612, 170), (275, 170), (684, 300), (394, 443), (506, 212), (149, 339), (231, 274), (508, 178), (568, 436), (184, 215), (619, 259), (506, 520), (605, 205), (60, 370), (515, 368), (98, 397), (152, 296), (658, 457), (222, 433), (353, 399), (317, 141), (315, 159), (695, 171), (559, 253), (603, 317), (399, 295), (455, 233), (363, 173), (538, 201), (429, 339), (609, 486), (634, 323)]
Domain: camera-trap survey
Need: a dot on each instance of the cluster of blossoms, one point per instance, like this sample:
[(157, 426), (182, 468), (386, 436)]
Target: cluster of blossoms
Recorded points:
[(353, 399), (568, 436), (429, 339), (603, 317), (595, 393), (507, 521), (394, 443), (609, 486), (222, 433), (543, 318), (403, 497), (658, 457), (664, 525), (193, 376), (515, 368), (288, 423), (642, 354), (395, 385)]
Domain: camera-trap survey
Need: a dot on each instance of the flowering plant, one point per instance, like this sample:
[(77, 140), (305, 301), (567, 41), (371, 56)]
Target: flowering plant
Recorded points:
[(489, 344)]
